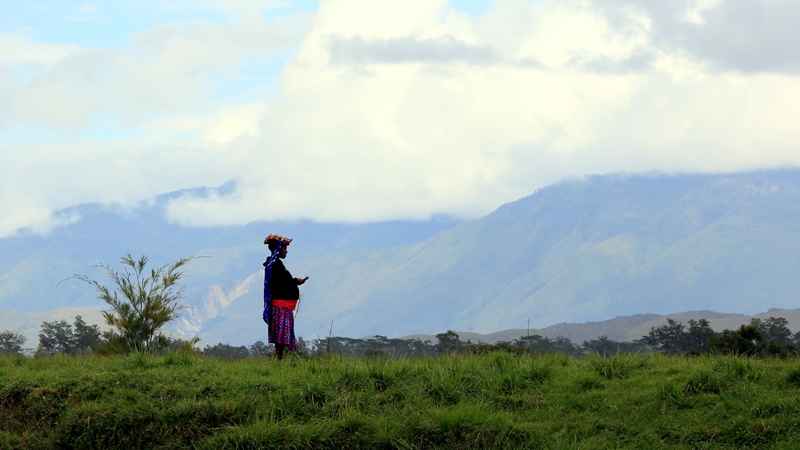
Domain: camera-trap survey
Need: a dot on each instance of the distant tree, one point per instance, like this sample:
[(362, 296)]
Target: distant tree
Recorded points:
[(302, 348), (535, 343), (669, 338), (177, 345), (744, 341), (61, 337), (602, 345), (372, 346), (415, 347), (777, 339), (538, 344), (86, 336), (448, 342), (225, 351), (338, 345), (566, 346), (141, 303), (11, 342), (698, 336), (261, 350), (57, 337), (605, 346), (500, 346)]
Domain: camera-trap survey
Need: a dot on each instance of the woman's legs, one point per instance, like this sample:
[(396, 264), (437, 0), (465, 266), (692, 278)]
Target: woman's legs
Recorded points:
[(279, 351), (281, 330)]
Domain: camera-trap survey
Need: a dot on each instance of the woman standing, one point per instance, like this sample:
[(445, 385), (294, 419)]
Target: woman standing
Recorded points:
[(280, 295)]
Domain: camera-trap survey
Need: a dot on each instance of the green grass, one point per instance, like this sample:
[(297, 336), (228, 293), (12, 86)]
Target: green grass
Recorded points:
[(497, 400)]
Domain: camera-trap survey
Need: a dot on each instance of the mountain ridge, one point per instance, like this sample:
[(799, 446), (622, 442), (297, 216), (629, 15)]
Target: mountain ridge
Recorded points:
[(577, 251), (624, 328)]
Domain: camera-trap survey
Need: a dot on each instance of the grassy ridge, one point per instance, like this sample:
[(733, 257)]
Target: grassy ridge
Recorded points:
[(497, 400)]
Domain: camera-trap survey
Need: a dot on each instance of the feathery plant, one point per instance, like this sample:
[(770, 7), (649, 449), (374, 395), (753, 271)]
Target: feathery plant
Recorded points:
[(141, 303)]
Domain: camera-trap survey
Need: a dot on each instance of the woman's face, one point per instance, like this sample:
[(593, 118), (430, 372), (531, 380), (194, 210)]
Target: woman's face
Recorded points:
[(282, 252)]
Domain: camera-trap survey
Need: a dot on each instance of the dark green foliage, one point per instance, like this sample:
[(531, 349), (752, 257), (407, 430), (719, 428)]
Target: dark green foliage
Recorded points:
[(377, 346), (777, 339), (448, 342), (61, 337), (225, 351), (86, 336), (57, 337), (605, 346), (538, 344), (744, 341), (261, 350), (669, 338), (221, 351), (11, 343), (698, 336), (769, 337)]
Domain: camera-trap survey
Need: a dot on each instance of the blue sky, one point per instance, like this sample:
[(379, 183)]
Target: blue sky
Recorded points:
[(356, 110), (110, 24)]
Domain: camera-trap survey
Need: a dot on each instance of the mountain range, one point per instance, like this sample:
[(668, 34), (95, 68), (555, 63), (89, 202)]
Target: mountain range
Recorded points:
[(581, 250), (623, 328)]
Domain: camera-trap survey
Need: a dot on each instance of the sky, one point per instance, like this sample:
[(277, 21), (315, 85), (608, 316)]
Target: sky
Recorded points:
[(365, 110)]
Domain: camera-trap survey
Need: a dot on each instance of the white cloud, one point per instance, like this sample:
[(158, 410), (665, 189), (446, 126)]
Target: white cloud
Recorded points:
[(168, 69), (15, 49), (405, 109), (748, 36)]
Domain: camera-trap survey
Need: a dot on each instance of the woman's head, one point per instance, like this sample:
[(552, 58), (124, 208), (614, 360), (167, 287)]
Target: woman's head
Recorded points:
[(273, 240)]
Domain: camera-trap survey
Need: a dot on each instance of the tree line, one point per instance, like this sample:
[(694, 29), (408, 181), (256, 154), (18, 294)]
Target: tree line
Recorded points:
[(770, 337), (142, 303), (766, 338)]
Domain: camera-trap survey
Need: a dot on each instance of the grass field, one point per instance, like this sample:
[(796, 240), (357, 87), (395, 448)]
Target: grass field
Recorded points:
[(498, 400)]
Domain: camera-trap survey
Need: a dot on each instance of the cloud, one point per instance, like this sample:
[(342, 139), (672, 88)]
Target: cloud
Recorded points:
[(15, 49), (168, 69), (409, 49), (378, 124), (748, 36), (405, 109), (637, 62)]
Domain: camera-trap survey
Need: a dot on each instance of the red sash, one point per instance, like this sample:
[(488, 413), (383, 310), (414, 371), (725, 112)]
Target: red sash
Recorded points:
[(291, 304)]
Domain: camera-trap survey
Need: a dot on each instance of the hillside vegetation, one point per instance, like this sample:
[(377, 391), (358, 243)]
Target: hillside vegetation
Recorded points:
[(496, 400)]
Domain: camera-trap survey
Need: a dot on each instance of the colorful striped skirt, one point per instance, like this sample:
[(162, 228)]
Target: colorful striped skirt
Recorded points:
[(281, 327)]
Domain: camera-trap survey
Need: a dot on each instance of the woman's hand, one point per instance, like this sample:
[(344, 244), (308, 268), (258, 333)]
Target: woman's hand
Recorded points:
[(301, 280)]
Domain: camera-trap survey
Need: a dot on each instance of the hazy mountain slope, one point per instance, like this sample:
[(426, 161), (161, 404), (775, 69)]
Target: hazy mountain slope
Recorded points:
[(31, 265), (577, 251), (624, 328)]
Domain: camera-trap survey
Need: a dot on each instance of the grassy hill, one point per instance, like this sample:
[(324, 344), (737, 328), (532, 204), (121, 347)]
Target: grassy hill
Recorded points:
[(493, 401)]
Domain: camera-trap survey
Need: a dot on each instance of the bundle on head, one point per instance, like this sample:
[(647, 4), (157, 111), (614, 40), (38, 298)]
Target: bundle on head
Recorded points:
[(273, 239)]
